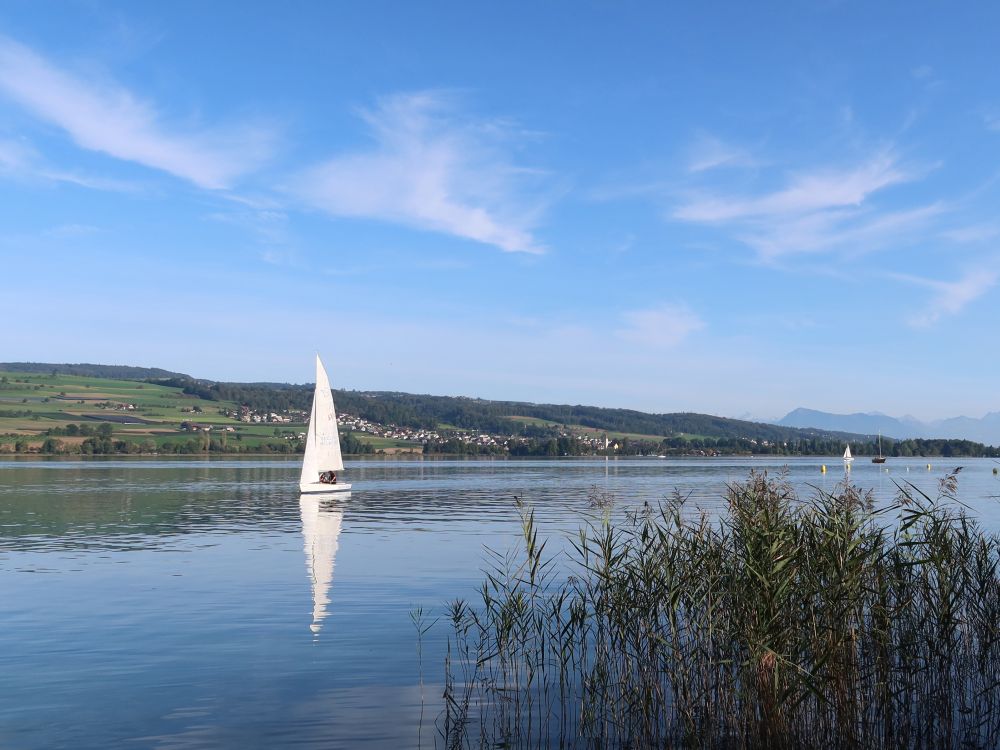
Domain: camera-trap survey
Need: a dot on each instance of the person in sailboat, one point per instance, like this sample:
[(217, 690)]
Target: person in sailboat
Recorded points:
[(328, 477)]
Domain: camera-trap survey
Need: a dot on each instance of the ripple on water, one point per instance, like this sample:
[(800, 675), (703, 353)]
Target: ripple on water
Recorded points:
[(210, 608)]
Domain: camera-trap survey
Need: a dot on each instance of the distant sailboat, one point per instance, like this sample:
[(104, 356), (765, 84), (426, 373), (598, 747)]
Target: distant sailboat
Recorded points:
[(847, 455), (320, 531), (322, 458), (879, 459)]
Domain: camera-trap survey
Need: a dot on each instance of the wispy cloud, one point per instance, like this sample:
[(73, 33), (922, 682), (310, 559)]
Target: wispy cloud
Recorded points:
[(855, 232), (15, 155), (816, 211), (949, 297), (660, 327), (973, 233), (991, 118), (817, 191), (625, 244), (20, 160), (431, 169), (66, 231), (708, 152), (926, 77), (94, 182), (105, 117), (269, 226)]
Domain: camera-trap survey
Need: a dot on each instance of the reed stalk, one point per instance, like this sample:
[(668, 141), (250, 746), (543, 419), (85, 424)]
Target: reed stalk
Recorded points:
[(785, 623)]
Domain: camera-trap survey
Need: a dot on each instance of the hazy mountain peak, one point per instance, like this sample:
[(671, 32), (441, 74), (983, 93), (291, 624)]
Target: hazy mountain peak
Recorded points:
[(984, 430)]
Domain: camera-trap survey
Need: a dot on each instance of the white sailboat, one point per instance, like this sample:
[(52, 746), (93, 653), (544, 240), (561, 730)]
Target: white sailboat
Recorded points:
[(320, 531), (847, 455), (322, 454)]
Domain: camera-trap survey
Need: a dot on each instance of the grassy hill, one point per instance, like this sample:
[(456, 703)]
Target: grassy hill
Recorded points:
[(168, 412), (144, 416), (116, 372)]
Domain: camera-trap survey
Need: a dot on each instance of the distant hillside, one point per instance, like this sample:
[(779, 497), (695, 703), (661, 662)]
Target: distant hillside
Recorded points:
[(425, 411), (86, 370), (431, 412), (177, 413), (985, 430)]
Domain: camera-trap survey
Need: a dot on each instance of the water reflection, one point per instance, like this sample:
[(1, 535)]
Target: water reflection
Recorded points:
[(182, 596), (321, 518)]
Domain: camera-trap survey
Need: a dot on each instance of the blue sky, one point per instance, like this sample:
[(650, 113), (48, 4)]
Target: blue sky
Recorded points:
[(732, 208)]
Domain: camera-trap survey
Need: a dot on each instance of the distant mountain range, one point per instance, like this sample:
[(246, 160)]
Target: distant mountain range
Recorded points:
[(985, 430)]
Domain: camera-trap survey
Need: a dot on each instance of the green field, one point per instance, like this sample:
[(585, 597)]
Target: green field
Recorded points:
[(581, 431), (32, 405)]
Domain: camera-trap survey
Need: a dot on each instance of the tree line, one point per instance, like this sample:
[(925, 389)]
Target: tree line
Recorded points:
[(541, 446), (422, 411)]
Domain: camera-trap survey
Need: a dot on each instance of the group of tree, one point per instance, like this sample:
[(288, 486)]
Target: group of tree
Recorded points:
[(103, 430), (542, 446), (351, 444), (260, 397)]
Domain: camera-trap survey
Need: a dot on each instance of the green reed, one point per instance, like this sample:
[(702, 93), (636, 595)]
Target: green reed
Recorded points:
[(784, 624)]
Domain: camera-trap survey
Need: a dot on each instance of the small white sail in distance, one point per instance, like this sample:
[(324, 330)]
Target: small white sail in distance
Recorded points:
[(847, 454), (322, 439)]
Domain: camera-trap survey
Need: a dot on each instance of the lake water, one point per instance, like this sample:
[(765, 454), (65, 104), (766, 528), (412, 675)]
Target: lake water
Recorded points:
[(200, 604)]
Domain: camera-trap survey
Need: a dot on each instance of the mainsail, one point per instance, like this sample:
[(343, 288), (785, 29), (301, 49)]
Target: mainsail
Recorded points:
[(847, 453), (322, 439)]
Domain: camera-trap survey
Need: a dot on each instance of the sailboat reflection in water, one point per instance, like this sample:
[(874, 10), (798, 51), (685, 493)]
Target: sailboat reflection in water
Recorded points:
[(321, 517)]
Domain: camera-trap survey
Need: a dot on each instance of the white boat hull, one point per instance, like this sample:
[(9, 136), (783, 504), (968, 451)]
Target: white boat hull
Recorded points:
[(310, 487)]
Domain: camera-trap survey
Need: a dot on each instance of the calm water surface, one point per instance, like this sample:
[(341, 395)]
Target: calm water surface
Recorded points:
[(201, 604)]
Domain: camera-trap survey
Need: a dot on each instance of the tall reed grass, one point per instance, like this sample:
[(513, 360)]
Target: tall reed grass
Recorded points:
[(783, 624)]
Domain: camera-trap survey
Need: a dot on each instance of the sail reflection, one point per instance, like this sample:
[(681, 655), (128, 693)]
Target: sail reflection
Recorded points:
[(321, 517)]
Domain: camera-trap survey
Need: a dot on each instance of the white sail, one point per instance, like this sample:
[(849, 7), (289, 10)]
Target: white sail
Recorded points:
[(320, 531), (322, 438), (847, 453)]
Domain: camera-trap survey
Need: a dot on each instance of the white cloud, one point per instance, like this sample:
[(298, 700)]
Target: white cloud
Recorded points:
[(20, 160), (974, 233), (818, 191), (709, 153), (269, 226), (431, 170), (15, 155), (108, 118), (89, 181), (71, 230), (624, 245), (992, 120), (819, 211), (949, 297), (660, 327), (854, 232)]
